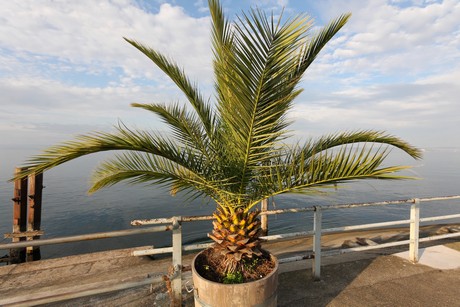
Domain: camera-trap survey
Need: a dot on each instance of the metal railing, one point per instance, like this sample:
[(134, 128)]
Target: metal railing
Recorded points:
[(174, 225), (174, 276), (317, 231)]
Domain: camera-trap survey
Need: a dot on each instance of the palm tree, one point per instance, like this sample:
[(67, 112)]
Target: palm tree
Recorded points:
[(233, 150)]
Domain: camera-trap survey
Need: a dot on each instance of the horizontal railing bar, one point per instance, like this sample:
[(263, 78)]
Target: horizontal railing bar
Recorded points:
[(296, 210), (210, 217), (193, 247), (194, 218), (288, 235), (365, 226), (93, 236), (152, 221), (391, 202), (380, 203), (164, 250), (354, 205), (440, 198), (197, 218), (363, 248), (289, 210), (94, 289), (152, 251), (390, 244), (296, 258), (438, 237), (367, 247), (437, 218)]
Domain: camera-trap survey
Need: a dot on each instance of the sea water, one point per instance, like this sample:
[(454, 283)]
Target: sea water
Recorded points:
[(69, 210)]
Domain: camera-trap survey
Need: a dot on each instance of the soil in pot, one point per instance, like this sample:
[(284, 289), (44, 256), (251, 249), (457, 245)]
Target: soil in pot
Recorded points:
[(210, 265)]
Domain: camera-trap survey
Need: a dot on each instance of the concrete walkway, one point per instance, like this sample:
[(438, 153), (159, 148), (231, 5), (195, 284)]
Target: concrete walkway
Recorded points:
[(372, 278), (382, 281)]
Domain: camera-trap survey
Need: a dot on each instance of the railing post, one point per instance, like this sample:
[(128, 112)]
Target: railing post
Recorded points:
[(176, 282), (19, 216), (316, 267), (264, 217), (414, 230)]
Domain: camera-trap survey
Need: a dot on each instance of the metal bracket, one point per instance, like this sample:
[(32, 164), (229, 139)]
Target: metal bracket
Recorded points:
[(189, 288)]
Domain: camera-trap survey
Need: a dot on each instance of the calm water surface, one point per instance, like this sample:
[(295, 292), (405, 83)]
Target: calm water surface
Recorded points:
[(68, 210)]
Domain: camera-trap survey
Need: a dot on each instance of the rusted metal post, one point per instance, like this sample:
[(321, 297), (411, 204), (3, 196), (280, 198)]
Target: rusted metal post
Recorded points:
[(414, 230), (35, 213), (316, 267), (264, 217), (176, 281), (19, 216)]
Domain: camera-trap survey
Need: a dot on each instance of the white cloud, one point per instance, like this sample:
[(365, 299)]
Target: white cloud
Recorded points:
[(201, 6), (381, 38), (426, 111), (392, 67), (39, 111), (50, 51), (89, 34)]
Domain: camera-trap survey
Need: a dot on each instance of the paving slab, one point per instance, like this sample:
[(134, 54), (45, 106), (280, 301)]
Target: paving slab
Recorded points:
[(439, 257), (383, 281)]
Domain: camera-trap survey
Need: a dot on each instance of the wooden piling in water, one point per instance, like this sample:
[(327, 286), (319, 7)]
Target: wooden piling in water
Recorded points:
[(19, 216), (27, 212), (34, 213)]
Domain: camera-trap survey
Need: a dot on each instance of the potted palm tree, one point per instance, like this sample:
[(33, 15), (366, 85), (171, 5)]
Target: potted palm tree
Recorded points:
[(234, 149)]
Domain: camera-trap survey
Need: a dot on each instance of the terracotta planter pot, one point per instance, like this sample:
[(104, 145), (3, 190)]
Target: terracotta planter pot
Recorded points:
[(260, 293)]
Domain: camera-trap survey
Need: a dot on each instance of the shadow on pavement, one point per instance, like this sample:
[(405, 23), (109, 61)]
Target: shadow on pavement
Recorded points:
[(297, 288)]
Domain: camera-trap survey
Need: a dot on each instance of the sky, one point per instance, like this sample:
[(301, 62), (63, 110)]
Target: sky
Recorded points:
[(66, 70)]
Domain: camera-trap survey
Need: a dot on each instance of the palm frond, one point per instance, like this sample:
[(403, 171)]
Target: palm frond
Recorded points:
[(222, 35), (178, 76), (123, 139), (137, 167), (256, 87), (316, 43), (330, 160), (185, 127), (352, 137)]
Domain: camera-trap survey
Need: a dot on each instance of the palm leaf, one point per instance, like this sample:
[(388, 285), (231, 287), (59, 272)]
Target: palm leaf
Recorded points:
[(178, 76), (315, 44), (329, 161), (257, 89), (185, 127), (123, 139), (134, 167)]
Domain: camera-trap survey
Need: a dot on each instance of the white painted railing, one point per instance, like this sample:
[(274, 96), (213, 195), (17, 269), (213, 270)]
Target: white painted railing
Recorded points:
[(414, 227), (317, 232)]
